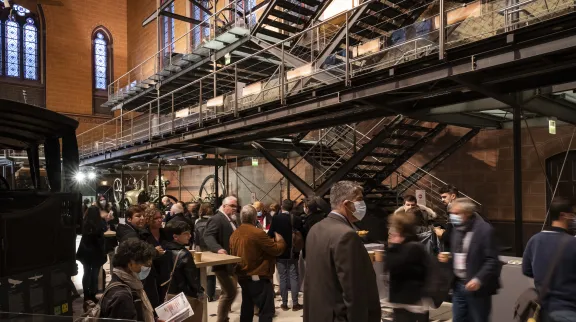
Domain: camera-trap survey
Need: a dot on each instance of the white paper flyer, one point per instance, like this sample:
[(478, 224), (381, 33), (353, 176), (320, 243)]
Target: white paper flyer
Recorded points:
[(175, 310)]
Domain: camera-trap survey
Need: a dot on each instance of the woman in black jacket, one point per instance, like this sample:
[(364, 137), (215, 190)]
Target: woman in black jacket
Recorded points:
[(126, 298), (407, 263), (91, 252)]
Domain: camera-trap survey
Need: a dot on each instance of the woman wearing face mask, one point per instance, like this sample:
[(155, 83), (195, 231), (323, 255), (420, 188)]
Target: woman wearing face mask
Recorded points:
[(406, 262), (126, 298), (91, 252)]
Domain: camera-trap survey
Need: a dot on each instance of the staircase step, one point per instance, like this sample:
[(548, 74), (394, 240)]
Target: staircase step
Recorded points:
[(272, 34), (295, 8), (373, 163), (281, 26), (384, 155), (411, 127), (404, 137), (288, 17), (392, 146), (384, 9), (363, 171), (312, 3)]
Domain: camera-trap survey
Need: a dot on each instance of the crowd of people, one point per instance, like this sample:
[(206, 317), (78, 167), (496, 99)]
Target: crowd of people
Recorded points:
[(318, 253)]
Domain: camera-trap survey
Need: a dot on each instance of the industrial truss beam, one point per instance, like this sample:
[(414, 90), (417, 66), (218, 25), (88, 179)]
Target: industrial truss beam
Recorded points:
[(154, 15), (294, 179), (421, 172), (201, 7), (330, 102), (183, 18), (357, 157)]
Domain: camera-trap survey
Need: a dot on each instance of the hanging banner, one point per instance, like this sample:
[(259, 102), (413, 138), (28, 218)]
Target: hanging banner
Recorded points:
[(421, 197)]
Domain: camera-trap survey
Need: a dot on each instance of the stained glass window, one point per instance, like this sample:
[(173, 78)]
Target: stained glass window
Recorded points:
[(21, 11), (169, 29), (30, 50), (100, 61), (200, 32), (19, 44), (12, 48), (196, 36)]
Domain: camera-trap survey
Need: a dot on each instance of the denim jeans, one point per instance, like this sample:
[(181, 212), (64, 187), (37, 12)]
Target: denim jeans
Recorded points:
[(288, 271), (468, 307), (561, 316)]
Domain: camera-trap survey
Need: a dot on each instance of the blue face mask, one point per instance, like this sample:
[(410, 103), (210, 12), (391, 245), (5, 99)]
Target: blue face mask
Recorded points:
[(144, 272), (455, 220), (259, 213)]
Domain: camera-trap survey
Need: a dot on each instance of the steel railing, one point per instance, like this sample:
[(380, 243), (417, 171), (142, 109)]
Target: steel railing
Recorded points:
[(189, 106)]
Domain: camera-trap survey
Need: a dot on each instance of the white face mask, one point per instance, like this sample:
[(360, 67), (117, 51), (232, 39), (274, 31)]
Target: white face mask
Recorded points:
[(233, 217), (360, 209)]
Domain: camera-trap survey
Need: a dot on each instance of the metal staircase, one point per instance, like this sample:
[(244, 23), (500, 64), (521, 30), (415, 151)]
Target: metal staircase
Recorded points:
[(385, 171)]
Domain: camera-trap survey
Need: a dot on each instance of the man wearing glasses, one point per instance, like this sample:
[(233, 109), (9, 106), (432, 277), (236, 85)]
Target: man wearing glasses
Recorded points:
[(219, 228)]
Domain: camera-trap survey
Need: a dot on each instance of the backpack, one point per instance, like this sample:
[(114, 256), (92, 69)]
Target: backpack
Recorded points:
[(297, 239), (199, 233), (94, 310), (529, 304)]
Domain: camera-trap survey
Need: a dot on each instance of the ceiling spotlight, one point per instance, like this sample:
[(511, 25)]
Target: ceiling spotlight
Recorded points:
[(91, 175), (79, 177)]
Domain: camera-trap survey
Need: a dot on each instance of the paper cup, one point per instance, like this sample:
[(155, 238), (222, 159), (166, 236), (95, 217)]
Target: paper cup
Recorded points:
[(379, 255), (371, 254), (197, 256), (444, 256)]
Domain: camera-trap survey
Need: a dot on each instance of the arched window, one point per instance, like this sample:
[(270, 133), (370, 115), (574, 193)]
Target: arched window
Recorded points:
[(101, 70), (19, 45), (101, 67)]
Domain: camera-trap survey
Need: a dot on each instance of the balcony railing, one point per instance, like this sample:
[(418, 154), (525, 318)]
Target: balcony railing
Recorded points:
[(189, 106)]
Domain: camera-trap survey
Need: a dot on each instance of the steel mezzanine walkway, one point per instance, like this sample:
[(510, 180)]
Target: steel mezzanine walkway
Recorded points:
[(531, 56)]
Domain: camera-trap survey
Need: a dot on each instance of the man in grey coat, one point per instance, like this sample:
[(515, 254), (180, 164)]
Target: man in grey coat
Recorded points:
[(340, 281), (219, 228)]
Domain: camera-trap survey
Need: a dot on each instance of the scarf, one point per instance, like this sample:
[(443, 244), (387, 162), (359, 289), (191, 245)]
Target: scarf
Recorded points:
[(136, 285)]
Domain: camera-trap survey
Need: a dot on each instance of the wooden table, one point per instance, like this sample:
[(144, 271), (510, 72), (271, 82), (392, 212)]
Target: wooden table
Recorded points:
[(210, 259), (110, 233)]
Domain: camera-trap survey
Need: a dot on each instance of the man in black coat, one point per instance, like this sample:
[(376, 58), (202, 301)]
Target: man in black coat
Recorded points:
[(219, 228), (284, 224), (475, 262)]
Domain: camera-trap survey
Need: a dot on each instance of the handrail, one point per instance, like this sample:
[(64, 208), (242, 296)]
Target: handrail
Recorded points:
[(234, 65), (156, 54), (424, 171), (230, 66)]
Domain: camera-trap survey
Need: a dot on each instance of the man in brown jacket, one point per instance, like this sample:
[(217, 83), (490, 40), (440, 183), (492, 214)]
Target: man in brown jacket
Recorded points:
[(255, 271)]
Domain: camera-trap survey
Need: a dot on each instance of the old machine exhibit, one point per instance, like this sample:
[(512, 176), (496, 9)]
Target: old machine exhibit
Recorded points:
[(38, 222)]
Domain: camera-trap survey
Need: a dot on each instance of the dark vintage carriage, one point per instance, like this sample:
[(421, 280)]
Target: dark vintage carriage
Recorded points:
[(38, 222)]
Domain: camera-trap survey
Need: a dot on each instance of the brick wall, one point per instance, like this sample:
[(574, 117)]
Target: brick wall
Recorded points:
[(68, 50), (141, 40)]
